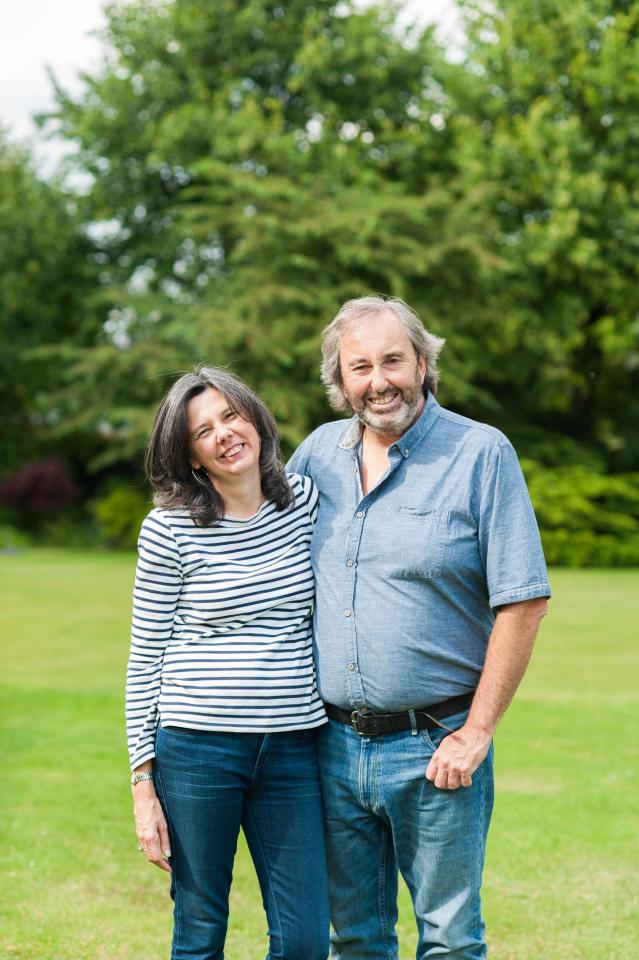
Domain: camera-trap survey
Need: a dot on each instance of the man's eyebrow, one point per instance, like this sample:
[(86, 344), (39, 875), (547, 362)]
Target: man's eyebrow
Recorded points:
[(355, 360), (389, 353)]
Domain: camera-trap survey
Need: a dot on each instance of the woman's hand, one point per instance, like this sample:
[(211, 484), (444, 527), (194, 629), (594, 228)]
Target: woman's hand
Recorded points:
[(150, 824)]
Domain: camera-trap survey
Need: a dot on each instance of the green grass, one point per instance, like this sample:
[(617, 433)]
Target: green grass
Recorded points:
[(560, 879)]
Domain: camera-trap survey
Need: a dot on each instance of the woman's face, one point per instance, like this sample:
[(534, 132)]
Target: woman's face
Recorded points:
[(220, 440)]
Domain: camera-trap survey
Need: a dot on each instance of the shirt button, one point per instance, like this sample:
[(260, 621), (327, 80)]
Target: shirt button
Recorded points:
[(406, 452), (350, 666), (347, 613), (349, 563), (360, 514)]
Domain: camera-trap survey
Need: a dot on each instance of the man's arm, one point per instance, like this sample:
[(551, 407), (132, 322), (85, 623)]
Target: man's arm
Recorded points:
[(509, 649)]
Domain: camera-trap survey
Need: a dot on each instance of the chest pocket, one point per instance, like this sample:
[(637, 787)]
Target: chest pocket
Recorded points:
[(421, 538)]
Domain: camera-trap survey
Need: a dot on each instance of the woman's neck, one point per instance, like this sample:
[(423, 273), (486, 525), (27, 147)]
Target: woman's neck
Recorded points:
[(243, 498)]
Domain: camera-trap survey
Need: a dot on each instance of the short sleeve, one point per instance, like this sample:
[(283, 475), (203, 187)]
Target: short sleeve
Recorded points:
[(509, 541), (299, 462)]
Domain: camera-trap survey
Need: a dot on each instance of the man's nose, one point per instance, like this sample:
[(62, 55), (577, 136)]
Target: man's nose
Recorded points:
[(378, 380)]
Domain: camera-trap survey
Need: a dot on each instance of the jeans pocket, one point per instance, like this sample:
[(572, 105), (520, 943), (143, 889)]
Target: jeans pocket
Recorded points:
[(432, 738)]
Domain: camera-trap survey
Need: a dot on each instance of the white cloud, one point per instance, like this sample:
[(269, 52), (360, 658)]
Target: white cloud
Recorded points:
[(36, 34), (40, 33)]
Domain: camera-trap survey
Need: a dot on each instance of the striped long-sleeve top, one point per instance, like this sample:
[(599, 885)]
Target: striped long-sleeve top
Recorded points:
[(221, 636)]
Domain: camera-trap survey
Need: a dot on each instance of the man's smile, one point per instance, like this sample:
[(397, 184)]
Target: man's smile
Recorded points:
[(385, 400)]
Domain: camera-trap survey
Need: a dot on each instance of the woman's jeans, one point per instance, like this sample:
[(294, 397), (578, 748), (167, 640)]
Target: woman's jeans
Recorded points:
[(210, 785)]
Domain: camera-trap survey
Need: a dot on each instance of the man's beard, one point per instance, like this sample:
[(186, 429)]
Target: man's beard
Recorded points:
[(399, 422)]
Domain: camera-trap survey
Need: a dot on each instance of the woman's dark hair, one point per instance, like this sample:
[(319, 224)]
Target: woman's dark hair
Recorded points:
[(175, 484)]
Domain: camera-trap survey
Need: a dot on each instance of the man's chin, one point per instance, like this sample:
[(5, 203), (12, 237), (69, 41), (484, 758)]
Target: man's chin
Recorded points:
[(389, 426)]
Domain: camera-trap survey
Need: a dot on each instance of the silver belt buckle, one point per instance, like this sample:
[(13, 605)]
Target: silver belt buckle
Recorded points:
[(355, 715)]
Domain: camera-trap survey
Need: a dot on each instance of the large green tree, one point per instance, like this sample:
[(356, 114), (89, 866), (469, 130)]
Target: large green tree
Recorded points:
[(545, 117), (259, 162), (47, 297), (255, 163)]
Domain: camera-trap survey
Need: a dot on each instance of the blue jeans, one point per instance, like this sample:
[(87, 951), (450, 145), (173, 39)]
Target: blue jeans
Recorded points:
[(381, 815), (209, 785)]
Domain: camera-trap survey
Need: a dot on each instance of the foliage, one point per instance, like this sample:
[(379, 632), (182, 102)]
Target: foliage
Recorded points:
[(12, 538), (46, 297), (42, 486), (120, 514), (262, 163), (586, 519), (545, 116), (253, 164)]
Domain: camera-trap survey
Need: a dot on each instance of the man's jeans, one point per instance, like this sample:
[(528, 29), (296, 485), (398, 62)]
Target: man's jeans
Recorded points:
[(382, 814), (210, 784)]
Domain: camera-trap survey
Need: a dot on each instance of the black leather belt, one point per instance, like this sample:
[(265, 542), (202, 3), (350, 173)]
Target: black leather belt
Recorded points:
[(369, 724)]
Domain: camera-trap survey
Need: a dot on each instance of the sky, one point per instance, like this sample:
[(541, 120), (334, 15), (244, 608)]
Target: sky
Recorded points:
[(37, 34)]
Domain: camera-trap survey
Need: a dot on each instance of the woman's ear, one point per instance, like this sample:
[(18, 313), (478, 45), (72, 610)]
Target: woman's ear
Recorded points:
[(195, 464)]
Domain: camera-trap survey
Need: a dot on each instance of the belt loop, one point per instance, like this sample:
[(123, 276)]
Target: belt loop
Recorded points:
[(413, 723)]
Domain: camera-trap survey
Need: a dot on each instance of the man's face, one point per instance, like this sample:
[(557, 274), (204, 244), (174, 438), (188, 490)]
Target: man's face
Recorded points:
[(381, 374)]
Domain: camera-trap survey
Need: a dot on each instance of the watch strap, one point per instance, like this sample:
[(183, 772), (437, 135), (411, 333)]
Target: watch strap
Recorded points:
[(137, 777)]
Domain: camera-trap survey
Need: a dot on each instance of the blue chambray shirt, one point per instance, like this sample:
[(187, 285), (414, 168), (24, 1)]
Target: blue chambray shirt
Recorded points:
[(408, 577)]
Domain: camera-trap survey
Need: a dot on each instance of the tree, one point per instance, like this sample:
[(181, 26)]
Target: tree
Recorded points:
[(45, 300), (546, 128), (261, 162)]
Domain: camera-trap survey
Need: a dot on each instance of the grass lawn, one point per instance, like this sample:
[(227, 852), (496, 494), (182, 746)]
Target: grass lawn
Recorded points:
[(561, 876)]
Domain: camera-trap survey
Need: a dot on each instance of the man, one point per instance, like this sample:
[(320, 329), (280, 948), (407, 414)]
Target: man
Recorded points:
[(431, 584)]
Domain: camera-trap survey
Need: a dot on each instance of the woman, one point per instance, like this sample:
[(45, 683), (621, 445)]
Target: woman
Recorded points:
[(221, 698)]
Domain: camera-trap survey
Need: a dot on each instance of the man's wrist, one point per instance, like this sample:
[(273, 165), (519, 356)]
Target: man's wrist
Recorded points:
[(478, 730)]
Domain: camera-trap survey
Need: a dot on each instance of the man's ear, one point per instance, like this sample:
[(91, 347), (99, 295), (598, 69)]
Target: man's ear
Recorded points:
[(421, 366)]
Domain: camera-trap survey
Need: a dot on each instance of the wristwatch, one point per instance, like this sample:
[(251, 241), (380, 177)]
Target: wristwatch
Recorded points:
[(136, 777)]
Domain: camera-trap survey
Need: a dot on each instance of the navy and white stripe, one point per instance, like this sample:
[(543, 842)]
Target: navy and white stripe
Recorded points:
[(221, 636)]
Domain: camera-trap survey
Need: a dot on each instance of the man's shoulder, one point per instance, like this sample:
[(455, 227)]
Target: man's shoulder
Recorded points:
[(325, 437), (319, 448), (331, 431), (480, 433)]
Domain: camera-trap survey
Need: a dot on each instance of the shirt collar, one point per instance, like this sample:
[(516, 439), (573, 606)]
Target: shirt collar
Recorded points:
[(353, 433)]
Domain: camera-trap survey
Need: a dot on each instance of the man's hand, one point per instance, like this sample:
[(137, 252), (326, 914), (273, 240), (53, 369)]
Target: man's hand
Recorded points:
[(150, 825), (509, 647), (457, 757)]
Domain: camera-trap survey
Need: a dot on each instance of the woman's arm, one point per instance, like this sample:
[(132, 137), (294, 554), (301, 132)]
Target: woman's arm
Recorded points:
[(158, 582), (150, 822)]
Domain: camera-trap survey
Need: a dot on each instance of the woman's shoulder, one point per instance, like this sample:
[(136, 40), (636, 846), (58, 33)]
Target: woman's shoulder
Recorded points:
[(166, 522), (304, 490), (165, 517), (299, 483)]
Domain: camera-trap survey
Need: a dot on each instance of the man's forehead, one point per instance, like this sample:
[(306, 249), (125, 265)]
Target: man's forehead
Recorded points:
[(374, 332)]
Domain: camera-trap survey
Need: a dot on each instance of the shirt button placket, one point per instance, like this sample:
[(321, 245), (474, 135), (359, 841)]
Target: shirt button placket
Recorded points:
[(353, 681)]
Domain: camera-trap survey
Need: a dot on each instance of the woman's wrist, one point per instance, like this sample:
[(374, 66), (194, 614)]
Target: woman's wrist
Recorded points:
[(142, 775)]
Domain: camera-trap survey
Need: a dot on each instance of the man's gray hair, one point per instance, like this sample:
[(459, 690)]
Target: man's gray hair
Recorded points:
[(426, 344)]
